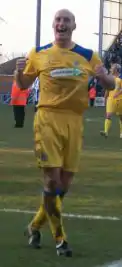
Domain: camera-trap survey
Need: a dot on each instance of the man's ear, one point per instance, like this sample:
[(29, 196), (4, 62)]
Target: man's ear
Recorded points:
[(74, 26)]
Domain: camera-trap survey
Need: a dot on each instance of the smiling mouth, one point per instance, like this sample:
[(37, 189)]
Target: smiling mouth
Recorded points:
[(61, 30)]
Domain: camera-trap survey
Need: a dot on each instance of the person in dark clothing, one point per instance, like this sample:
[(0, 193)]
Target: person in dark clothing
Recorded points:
[(19, 101), (19, 116)]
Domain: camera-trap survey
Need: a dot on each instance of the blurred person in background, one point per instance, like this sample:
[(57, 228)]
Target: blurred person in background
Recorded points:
[(113, 102), (19, 101), (92, 95)]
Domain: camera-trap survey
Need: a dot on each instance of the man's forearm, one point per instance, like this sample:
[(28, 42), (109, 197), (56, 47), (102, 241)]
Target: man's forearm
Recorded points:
[(118, 93), (23, 81), (107, 82)]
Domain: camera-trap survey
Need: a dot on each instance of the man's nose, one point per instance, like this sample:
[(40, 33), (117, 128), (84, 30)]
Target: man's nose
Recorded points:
[(61, 23)]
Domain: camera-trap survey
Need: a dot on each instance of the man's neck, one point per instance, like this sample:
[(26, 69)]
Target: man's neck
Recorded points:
[(116, 75), (65, 44)]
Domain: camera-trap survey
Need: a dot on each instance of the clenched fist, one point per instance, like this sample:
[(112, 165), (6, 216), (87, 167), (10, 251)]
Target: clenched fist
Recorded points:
[(100, 71), (20, 64)]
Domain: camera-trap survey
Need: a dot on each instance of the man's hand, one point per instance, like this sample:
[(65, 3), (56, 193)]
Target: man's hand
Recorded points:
[(100, 71), (20, 64), (106, 80), (24, 81)]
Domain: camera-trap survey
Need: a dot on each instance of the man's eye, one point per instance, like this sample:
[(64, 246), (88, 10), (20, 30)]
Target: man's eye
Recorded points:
[(58, 19), (66, 19)]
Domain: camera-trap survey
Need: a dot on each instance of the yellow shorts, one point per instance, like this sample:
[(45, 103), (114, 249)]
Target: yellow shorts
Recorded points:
[(114, 106), (58, 139)]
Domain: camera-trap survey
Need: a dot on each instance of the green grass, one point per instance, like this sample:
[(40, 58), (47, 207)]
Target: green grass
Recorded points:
[(93, 243), (96, 190)]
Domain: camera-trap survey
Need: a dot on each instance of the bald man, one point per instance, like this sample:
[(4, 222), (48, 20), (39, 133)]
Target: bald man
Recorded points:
[(63, 68)]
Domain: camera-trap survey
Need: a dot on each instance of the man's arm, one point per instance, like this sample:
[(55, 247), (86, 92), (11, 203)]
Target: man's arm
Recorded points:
[(106, 80), (99, 71), (23, 81), (26, 71)]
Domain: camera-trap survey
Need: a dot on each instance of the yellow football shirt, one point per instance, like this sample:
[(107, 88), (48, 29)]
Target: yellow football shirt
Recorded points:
[(63, 75), (118, 86)]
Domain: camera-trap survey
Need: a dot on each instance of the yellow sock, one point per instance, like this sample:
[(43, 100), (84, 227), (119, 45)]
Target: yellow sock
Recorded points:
[(107, 125), (59, 207), (40, 218), (59, 203), (120, 124), (53, 211)]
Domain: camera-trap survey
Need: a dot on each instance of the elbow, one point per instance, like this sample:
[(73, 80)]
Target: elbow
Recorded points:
[(21, 86), (110, 83)]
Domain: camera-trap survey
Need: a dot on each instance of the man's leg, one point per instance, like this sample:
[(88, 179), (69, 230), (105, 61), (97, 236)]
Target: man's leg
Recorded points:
[(52, 188), (40, 218), (50, 210), (21, 116), (120, 124), (15, 114), (72, 152), (108, 122), (92, 102), (50, 153), (107, 125), (110, 109)]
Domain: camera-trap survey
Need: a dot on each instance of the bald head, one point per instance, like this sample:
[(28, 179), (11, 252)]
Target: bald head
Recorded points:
[(65, 12), (115, 68), (64, 25)]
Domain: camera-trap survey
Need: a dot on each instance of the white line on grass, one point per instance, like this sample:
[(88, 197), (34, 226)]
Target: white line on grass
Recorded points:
[(68, 215), (108, 149), (77, 216), (113, 264), (28, 151)]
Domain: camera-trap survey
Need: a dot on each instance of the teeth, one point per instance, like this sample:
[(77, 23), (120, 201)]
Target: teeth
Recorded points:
[(62, 30)]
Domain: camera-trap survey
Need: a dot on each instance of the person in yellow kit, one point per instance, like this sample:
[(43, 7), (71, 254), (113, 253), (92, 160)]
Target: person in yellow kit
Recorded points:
[(64, 68), (113, 102)]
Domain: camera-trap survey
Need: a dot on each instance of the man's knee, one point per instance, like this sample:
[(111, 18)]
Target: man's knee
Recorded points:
[(66, 179), (108, 115), (52, 179)]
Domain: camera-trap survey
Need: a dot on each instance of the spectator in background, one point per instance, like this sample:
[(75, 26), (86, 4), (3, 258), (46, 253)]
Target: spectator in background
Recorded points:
[(114, 54), (92, 95), (19, 101)]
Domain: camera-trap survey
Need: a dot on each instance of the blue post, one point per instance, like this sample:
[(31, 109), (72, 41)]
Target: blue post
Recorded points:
[(38, 22), (101, 15)]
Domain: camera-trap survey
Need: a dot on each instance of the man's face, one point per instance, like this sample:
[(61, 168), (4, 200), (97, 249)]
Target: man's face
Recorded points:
[(64, 24), (114, 70)]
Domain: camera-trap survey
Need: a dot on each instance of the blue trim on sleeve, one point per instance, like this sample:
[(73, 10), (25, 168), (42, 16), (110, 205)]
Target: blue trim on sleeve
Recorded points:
[(84, 52), (39, 48)]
